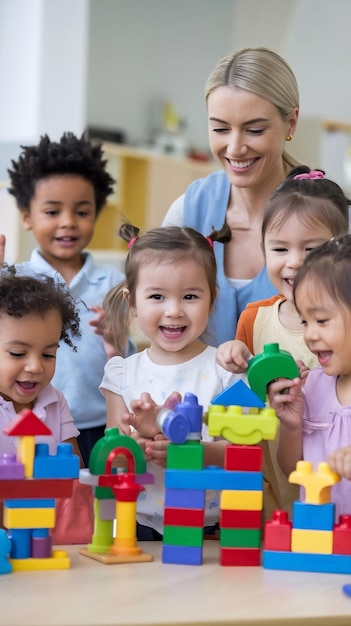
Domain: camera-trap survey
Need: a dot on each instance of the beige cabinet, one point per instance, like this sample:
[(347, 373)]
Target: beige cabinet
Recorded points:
[(147, 184)]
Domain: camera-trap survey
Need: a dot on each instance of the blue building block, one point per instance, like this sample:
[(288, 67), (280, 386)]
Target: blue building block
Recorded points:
[(37, 503), (313, 516), (300, 562), (182, 555), (238, 394), (5, 549), (213, 478), (63, 464), (20, 543), (39, 533), (183, 421), (185, 498)]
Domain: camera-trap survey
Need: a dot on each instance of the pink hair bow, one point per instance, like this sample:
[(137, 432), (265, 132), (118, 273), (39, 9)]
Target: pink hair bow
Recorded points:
[(312, 175)]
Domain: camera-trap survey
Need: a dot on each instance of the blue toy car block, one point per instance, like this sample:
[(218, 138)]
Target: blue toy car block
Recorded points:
[(238, 394), (313, 516), (37, 503), (185, 498), (63, 464), (183, 422), (301, 562), (214, 478), (181, 555)]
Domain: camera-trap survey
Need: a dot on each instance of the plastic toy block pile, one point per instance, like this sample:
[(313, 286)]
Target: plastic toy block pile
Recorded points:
[(312, 541), (29, 483)]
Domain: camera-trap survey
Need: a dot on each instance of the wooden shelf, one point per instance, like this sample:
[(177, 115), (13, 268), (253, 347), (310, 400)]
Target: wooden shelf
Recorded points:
[(147, 184)]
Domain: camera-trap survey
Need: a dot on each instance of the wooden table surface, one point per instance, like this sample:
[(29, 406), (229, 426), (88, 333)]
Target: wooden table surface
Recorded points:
[(93, 594)]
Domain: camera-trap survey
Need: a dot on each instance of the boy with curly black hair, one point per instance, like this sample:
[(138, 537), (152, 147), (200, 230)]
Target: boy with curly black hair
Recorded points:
[(60, 189)]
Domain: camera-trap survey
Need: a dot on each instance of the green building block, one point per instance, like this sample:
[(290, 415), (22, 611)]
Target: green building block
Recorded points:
[(183, 536), (187, 456), (272, 363), (240, 537), (98, 457)]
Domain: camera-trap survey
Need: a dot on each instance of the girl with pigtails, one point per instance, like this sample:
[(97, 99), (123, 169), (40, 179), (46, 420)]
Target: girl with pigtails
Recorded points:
[(170, 288)]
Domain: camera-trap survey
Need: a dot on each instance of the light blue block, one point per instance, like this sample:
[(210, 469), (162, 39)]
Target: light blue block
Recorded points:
[(302, 562), (313, 516), (182, 555), (30, 503), (63, 464), (185, 498), (238, 394), (214, 478)]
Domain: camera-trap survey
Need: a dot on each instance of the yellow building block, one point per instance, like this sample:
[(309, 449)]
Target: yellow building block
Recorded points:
[(29, 518), (25, 454), (317, 484), (59, 560), (238, 427), (241, 500), (312, 541)]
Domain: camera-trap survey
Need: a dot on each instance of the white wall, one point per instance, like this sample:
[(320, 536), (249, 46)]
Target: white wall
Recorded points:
[(143, 52), (66, 63)]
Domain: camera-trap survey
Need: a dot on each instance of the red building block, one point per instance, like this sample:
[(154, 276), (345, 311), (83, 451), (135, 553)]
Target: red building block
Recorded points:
[(240, 556), (243, 458), (277, 532), (183, 517), (26, 423), (36, 488), (240, 519), (342, 535)]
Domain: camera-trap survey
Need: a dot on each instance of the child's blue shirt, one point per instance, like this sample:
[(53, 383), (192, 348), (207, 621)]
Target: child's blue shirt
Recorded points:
[(79, 374)]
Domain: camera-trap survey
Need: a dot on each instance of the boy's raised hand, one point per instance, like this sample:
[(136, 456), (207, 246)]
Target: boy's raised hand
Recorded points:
[(233, 356)]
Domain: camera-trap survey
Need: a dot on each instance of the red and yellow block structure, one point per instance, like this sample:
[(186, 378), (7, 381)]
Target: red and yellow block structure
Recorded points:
[(29, 484), (311, 541)]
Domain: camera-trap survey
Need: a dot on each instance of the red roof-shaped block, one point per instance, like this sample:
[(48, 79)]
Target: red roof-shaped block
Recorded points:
[(26, 423)]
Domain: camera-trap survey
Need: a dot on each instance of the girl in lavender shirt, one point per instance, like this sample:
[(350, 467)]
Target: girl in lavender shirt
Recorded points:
[(316, 417)]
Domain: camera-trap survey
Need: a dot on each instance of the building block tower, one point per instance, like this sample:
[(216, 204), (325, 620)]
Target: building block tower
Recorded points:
[(311, 542), (239, 415), (29, 483)]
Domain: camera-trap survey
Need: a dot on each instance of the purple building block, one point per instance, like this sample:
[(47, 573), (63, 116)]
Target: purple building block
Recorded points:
[(10, 468)]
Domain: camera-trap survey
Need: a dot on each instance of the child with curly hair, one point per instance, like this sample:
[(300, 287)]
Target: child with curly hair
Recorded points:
[(35, 315), (60, 189)]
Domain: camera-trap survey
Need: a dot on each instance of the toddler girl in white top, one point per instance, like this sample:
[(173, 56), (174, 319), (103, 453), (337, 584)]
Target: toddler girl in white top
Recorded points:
[(170, 288)]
